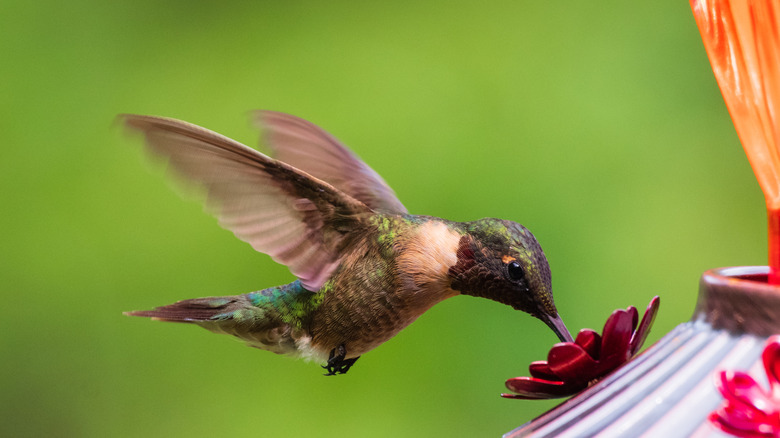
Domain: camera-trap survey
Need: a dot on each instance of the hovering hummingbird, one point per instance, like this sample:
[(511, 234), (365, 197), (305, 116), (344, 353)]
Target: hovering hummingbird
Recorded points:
[(366, 268)]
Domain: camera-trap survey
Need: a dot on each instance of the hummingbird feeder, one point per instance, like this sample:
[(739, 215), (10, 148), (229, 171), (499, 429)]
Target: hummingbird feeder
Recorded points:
[(719, 373)]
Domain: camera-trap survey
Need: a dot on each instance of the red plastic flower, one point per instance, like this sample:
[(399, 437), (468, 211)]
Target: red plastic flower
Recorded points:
[(749, 410), (573, 366)]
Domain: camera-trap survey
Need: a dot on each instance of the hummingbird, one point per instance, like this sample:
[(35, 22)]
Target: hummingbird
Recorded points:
[(365, 267)]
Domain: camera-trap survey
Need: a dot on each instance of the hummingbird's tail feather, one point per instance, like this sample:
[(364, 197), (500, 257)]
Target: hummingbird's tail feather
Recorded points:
[(195, 310), (237, 316)]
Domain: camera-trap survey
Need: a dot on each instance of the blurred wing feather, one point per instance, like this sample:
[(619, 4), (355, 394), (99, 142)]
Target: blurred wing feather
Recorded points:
[(308, 147), (298, 220)]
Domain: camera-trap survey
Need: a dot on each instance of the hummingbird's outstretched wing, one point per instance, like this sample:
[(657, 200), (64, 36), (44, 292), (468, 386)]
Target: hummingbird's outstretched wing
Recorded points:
[(297, 219), (310, 148)]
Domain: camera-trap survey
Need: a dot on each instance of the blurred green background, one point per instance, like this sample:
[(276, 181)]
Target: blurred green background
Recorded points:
[(598, 126)]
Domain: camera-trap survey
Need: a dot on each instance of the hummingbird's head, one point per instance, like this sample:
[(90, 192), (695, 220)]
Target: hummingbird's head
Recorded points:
[(501, 260)]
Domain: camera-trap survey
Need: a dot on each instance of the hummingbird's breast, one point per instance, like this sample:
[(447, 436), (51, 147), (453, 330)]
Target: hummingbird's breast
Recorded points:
[(385, 284)]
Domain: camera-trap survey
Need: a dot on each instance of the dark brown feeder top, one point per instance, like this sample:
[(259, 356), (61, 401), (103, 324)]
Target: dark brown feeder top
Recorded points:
[(739, 300)]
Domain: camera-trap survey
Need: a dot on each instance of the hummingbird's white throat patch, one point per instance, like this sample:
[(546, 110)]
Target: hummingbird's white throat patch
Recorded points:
[(427, 257)]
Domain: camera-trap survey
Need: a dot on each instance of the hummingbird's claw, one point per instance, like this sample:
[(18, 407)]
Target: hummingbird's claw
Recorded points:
[(337, 364)]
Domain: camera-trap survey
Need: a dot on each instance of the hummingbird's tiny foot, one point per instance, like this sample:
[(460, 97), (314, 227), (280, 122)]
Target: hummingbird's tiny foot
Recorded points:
[(337, 364)]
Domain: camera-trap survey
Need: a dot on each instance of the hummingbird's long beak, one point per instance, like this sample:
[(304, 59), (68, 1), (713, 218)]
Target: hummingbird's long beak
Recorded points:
[(557, 326)]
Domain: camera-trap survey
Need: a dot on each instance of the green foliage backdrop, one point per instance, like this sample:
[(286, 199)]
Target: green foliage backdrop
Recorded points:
[(597, 125)]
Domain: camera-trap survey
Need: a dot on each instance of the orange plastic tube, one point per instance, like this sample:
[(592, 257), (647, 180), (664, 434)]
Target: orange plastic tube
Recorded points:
[(743, 45)]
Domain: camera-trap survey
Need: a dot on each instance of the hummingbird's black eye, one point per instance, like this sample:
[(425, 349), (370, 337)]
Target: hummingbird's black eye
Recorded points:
[(515, 271)]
